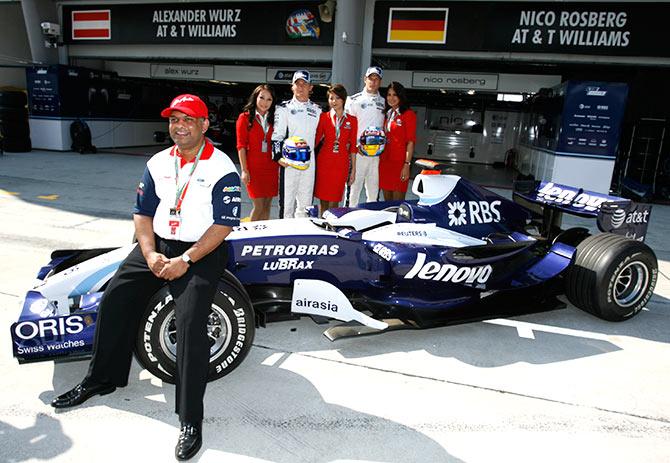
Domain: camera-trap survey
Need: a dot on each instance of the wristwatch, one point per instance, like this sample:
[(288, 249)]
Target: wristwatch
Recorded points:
[(186, 258)]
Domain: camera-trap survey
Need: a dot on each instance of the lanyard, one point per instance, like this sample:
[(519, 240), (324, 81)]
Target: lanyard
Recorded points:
[(181, 191), (263, 122), (337, 123), (390, 116)]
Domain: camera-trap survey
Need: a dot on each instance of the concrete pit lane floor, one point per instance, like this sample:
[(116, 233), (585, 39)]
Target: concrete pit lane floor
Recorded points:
[(552, 386)]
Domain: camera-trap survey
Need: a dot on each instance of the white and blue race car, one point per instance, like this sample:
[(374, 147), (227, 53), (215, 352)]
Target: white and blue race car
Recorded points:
[(460, 252)]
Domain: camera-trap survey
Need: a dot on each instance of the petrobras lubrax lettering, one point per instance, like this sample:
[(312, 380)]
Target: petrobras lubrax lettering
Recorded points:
[(259, 250), (590, 201), (447, 272), (323, 305), (31, 329), (288, 263)]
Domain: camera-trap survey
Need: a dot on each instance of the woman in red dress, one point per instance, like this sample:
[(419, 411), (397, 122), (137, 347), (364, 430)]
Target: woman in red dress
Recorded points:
[(260, 173), (396, 158), (337, 157)]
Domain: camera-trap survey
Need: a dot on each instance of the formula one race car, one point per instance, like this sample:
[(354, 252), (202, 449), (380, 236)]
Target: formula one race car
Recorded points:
[(460, 252)]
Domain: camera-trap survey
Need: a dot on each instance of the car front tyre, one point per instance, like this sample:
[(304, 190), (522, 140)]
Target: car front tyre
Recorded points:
[(230, 329)]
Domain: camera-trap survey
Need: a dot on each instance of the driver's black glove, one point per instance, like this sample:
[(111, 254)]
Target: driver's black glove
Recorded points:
[(277, 147)]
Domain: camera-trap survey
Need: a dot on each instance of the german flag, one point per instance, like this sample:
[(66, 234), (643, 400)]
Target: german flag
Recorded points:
[(417, 25)]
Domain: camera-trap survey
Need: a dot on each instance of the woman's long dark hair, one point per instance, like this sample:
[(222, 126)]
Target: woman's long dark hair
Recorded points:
[(399, 90), (251, 104)]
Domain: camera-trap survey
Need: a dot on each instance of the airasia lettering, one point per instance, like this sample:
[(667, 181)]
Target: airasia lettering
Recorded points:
[(323, 305), (448, 272)]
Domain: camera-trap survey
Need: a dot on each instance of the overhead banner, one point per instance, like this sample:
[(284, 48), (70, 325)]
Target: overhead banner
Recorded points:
[(229, 23), (605, 28)]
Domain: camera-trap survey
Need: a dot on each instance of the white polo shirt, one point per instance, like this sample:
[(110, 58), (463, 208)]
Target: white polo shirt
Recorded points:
[(212, 196)]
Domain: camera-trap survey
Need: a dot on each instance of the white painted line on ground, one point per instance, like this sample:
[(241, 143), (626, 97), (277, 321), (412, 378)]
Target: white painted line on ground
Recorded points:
[(525, 327), (272, 359)]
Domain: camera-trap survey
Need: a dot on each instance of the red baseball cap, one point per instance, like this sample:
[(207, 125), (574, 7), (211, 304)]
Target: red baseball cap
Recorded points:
[(190, 105)]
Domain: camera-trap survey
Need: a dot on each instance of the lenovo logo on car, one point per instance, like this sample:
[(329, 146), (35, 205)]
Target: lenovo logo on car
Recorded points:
[(49, 327), (448, 272), (555, 194)]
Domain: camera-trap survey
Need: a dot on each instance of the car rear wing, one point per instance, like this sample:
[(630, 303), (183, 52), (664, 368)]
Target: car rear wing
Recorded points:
[(614, 214)]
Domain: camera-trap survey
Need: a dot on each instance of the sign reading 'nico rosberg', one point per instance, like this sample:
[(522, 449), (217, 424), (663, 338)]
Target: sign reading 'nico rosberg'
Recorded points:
[(600, 28)]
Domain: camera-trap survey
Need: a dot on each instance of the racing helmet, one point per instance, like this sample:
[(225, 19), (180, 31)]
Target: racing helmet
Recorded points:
[(296, 153), (302, 23), (372, 141)]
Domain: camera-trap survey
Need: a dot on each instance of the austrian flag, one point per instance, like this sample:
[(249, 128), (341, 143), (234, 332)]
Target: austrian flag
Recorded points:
[(91, 25)]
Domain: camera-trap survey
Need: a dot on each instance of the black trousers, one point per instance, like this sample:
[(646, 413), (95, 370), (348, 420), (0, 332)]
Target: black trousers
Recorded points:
[(123, 304)]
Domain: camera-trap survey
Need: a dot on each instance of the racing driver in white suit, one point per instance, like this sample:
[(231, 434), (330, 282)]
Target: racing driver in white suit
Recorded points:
[(297, 117), (368, 106)]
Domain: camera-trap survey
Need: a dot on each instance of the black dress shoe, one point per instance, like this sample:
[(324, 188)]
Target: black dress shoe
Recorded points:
[(190, 440), (81, 393)]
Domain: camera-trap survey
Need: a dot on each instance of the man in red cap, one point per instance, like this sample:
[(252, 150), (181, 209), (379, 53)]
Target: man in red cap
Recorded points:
[(187, 203)]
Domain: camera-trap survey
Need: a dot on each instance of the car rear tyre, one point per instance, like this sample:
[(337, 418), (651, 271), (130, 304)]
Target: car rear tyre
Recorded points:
[(611, 277), (230, 329)]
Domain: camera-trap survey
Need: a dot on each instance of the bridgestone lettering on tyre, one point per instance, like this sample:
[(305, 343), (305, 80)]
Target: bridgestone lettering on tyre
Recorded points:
[(230, 328), (611, 277)]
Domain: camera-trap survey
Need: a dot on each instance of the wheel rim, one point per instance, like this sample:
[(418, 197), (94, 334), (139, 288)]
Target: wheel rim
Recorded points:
[(219, 330), (631, 284)]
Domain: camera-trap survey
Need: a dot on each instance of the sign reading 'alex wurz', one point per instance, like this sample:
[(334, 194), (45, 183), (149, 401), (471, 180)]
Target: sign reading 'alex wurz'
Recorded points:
[(237, 23)]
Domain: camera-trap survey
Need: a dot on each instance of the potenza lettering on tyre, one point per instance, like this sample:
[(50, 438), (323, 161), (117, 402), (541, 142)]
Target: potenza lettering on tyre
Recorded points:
[(447, 272), (148, 325)]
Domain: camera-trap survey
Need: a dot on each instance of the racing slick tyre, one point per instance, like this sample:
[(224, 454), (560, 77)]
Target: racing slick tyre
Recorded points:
[(230, 329), (611, 277)]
